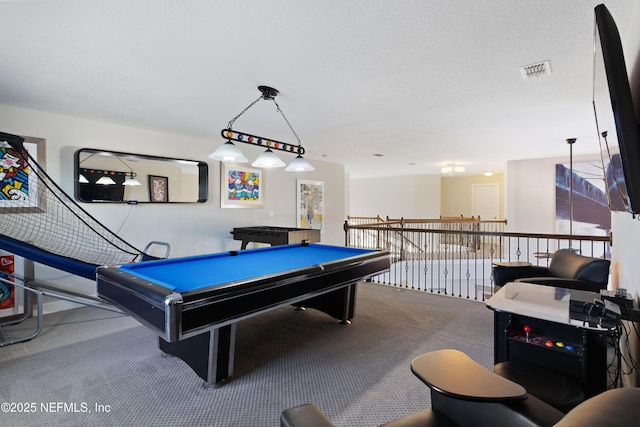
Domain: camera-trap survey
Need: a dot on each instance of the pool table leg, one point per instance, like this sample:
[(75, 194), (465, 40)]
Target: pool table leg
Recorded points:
[(210, 354), (340, 303)]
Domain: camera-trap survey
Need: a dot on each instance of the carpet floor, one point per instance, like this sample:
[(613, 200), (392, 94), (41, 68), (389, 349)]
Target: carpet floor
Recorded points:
[(92, 367)]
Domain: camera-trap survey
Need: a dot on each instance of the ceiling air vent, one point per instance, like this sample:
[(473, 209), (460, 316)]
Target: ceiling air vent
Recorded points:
[(535, 70)]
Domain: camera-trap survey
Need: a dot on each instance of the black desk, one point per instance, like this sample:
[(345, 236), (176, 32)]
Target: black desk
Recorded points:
[(553, 339), (275, 236)]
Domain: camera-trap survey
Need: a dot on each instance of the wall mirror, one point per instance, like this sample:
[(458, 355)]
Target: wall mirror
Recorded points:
[(110, 176)]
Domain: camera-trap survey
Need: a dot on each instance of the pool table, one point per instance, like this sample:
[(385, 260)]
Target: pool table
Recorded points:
[(194, 303)]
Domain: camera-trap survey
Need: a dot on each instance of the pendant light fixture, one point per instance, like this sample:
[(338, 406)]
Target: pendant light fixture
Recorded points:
[(299, 164), (131, 181), (228, 152), (105, 180), (268, 159)]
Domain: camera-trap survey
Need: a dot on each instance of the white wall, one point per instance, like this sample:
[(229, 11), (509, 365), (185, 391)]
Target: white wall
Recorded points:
[(626, 244), (531, 196), (192, 228), (415, 196)]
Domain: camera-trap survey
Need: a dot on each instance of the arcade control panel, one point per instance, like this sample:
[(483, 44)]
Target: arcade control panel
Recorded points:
[(526, 336)]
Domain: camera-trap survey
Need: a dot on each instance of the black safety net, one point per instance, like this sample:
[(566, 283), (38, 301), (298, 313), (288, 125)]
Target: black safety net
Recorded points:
[(39, 221)]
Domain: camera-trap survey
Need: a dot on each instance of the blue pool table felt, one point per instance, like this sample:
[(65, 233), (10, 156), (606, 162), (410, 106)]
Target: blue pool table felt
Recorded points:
[(191, 273)]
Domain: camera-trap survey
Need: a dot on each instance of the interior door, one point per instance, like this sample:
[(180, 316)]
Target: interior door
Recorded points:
[(485, 200)]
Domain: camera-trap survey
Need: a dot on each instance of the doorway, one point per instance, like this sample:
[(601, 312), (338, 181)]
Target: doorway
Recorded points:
[(485, 200)]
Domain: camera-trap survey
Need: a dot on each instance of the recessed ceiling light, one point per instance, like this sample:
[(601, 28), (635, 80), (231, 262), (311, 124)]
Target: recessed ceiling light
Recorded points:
[(378, 155)]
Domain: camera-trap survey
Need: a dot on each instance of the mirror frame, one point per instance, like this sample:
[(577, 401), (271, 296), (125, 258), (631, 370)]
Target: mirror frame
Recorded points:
[(203, 175)]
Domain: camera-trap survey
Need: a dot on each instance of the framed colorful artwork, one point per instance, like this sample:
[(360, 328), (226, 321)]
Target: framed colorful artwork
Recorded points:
[(12, 297), (310, 204), (18, 182), (158, 189), (241, 186)]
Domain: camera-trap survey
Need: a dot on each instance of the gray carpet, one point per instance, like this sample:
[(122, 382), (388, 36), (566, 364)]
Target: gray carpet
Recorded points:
[(359, 375)]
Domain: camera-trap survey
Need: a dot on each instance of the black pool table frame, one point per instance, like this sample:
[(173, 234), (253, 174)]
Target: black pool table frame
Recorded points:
[(199, 326)]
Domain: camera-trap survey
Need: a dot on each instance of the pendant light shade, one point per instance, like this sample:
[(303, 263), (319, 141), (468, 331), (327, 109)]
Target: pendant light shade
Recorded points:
[(228, 152), (268, 160), (132, 181), (105, 180), (299, 164)]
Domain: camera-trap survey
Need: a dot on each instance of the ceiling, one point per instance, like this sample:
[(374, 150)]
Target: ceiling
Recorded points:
[(423, 83)]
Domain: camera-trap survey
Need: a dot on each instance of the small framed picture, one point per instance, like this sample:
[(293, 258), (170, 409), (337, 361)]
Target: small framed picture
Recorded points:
[(158, 189), (241, 186)]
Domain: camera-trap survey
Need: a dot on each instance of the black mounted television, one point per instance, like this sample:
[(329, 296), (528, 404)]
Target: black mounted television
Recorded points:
[(615, 116)]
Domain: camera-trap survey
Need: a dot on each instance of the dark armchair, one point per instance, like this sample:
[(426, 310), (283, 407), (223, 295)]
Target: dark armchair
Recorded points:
[(567, 269)]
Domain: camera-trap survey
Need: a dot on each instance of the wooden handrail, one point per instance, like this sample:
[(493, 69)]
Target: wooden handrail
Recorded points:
[(488, 233), (442, 219)]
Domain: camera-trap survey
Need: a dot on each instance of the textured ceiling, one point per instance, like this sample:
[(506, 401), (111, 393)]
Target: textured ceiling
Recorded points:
[(422, 82)]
